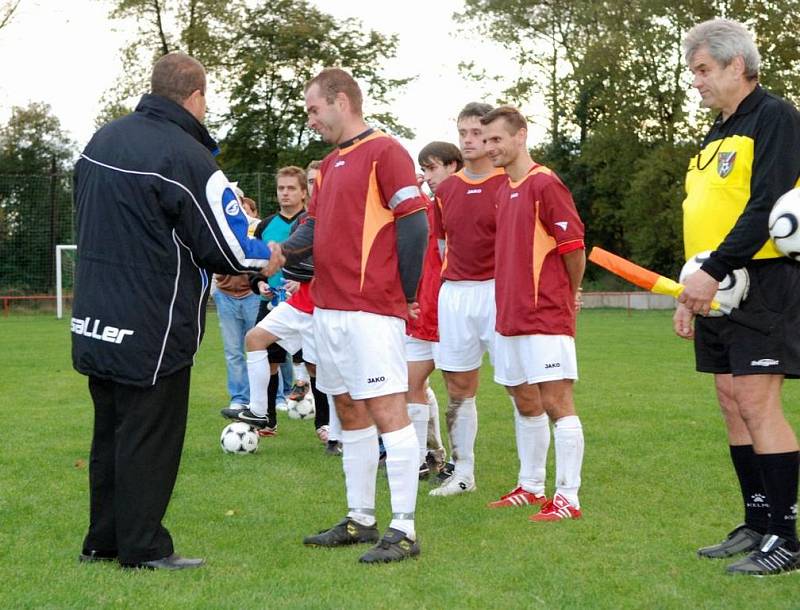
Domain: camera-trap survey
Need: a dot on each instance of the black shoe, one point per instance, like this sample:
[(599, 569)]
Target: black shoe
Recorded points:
[(257, 421), (232, 412), (445, 473), (333, 448), (394, 546), (343, 533), (94, 556), (424, 471), (740, 540), (173, 562), (772, 557)]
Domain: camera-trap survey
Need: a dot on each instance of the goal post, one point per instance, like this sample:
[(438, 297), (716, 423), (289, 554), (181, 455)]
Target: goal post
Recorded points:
[(60, 277)]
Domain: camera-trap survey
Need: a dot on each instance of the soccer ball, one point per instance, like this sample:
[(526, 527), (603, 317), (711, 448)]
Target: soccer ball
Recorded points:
[(784, 221), (239, 438), (301, 409), (732, 289)]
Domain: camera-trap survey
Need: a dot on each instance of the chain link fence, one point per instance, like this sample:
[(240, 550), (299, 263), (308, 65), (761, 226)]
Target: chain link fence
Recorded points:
[(37, 214)]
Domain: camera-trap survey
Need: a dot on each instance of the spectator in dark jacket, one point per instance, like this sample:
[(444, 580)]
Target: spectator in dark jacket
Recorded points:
[(155, 216)]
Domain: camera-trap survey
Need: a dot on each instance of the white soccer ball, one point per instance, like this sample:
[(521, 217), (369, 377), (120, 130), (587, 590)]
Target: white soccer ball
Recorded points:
[(301, 409), (239, 438), (732, 289), (784, 224)]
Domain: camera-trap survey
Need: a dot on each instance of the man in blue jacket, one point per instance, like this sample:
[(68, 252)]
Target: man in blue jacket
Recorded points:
[(155, 216)]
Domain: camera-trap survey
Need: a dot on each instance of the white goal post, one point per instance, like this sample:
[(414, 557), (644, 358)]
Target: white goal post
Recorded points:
[(59, 278)]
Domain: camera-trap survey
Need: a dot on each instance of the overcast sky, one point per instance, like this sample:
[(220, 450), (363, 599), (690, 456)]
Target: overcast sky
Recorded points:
[(66, 53)]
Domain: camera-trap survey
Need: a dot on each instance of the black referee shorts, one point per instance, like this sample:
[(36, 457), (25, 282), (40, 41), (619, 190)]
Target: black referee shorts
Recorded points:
[(724, 346)]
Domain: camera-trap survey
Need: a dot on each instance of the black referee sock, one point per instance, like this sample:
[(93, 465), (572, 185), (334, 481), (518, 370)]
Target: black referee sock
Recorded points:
[(272, 398), (321, 411), (748, 470), (780, 473)]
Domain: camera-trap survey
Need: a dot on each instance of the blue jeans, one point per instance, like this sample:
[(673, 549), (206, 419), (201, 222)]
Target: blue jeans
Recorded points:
[(236, 317)]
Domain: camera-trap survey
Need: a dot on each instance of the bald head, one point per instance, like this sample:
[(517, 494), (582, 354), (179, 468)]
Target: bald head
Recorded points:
[(176, 76)]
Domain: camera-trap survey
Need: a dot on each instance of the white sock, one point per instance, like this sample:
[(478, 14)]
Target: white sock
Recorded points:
[(418, 413), (464, 416), (334, 425), (258, 378), (434, 429), (301, 372), (402, 470), (568, 434), (533, 442), (360, 464)]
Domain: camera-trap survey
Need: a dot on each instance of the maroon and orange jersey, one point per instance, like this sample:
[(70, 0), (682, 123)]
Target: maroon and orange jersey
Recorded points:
[(426, 326), (465, 218), (361, 189), (536, 223)]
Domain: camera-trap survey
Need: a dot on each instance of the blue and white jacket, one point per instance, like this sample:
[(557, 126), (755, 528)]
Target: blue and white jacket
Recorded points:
[(155, 217)]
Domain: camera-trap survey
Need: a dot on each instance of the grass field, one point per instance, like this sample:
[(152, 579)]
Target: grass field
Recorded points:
[(657, 483)]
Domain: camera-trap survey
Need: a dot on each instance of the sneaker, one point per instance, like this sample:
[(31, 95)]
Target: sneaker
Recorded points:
[(445, 472), (298, 391), (518, 497), (257, 421), (343, 533), (453, 486), (267, 431), (424, 471), (741, 540), (556, 509), (394, 546), (334, 448), (322, 434), (772, 557), (281, 405), (232, 411)]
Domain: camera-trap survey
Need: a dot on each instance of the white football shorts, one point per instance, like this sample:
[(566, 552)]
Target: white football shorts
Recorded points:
[(418, 350), (294, 329), (360, 353), (534, 359), (466, 325)]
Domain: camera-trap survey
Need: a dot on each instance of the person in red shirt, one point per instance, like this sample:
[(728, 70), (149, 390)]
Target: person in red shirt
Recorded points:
[(367, 228), (464, 222), (438, 160), (539, 264)]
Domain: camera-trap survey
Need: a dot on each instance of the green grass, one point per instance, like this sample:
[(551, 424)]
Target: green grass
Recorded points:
[(657, 483)]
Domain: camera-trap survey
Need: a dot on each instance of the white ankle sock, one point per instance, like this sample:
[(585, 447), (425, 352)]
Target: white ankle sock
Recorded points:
[(434, 428), (258, 378), (402, 470), (418, 414), (463, 433), (360, 465), (301, 372), (533, 442), (334, 425), (568, 434)]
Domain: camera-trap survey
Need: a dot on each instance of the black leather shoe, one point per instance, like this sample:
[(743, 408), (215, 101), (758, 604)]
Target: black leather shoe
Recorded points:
[(93, 556), (173, 562)]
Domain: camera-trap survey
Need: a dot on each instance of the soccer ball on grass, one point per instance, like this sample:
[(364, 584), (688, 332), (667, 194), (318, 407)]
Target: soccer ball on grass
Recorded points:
[(239, 438), (301, 409)]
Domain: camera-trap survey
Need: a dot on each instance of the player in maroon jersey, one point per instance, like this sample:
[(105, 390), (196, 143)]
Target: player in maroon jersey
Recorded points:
[(438, 160), (367, 227), (465, 222), (539, 264)]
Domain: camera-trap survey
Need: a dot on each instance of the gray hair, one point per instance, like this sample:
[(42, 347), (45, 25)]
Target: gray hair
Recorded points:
[(724, 39)]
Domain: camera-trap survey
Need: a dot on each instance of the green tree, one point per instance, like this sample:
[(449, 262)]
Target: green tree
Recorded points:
[(35, 197)]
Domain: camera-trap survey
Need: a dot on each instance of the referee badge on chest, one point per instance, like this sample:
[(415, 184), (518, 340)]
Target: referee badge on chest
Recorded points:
[(725, 161)]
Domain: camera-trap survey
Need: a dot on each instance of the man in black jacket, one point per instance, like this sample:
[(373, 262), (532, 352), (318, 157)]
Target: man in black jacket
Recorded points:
[(155, 216)]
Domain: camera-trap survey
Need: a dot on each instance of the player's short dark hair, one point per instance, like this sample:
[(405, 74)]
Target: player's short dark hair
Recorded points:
[(296, 172), (176, 76), (315, 164), (443, 151), (474, 109), (332, 81), (513, 118)]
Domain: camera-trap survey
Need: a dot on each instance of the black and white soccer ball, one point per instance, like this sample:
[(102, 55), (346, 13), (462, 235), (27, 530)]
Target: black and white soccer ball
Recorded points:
[(732, 289), (239, 438), (784, 224), (301, 409)]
